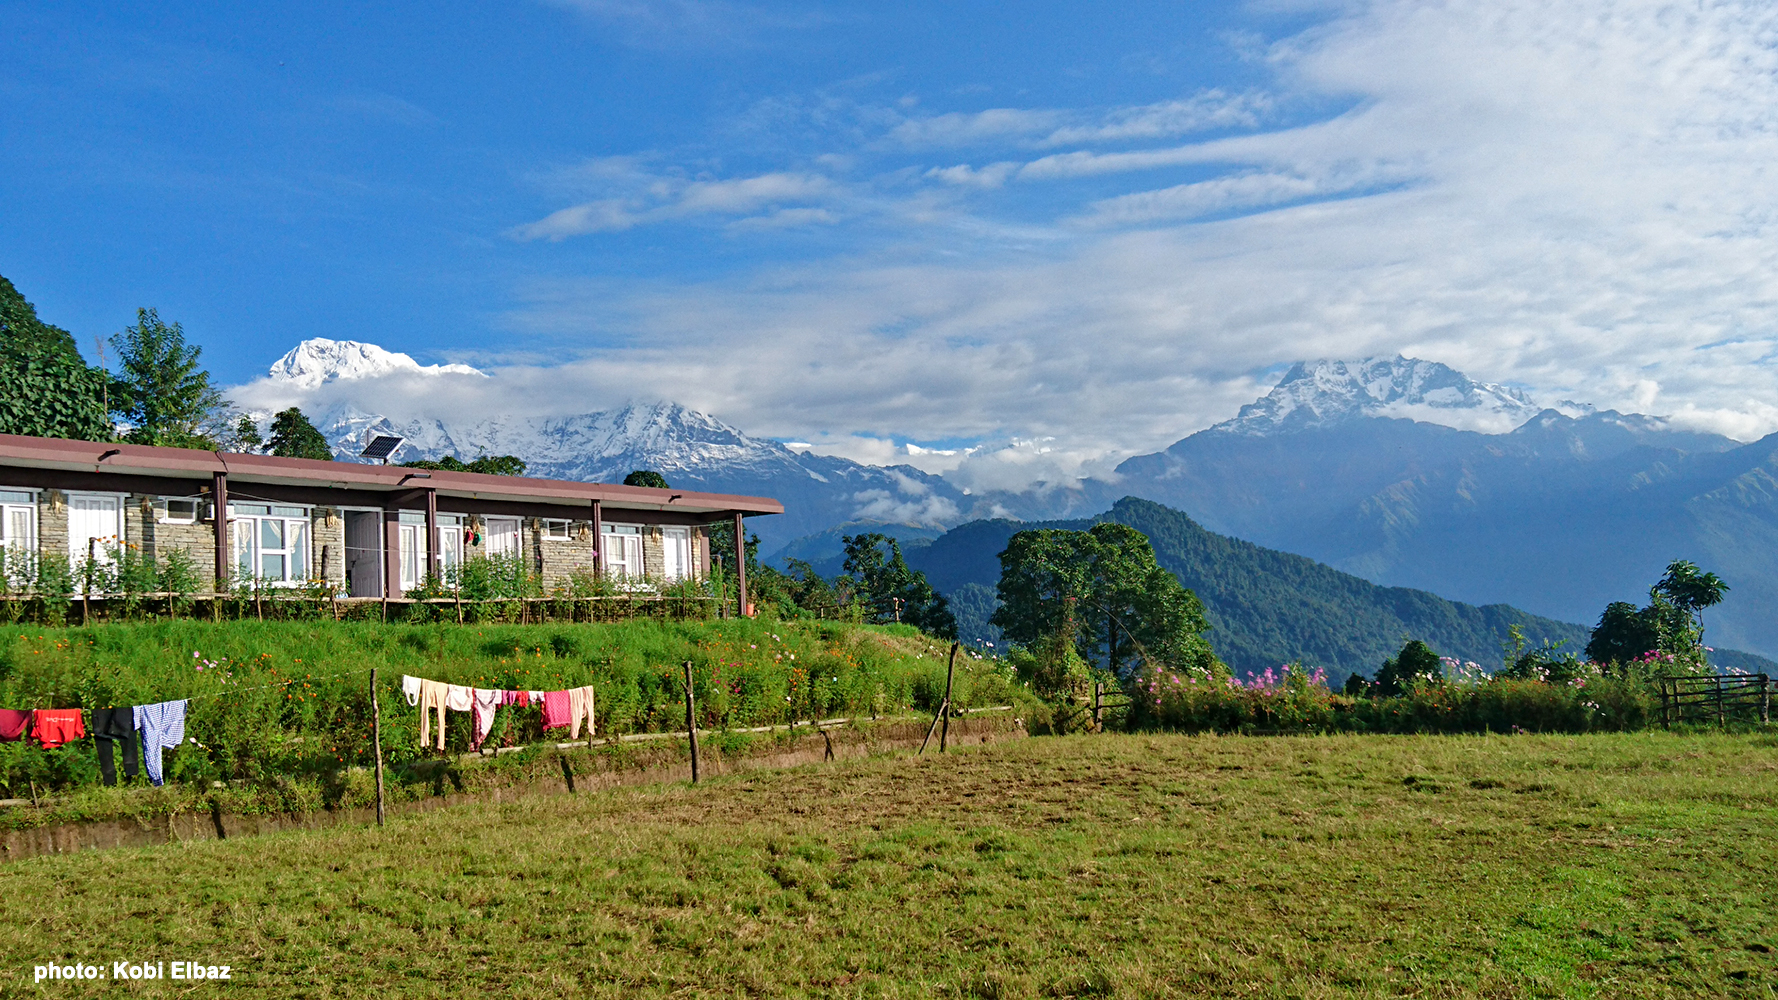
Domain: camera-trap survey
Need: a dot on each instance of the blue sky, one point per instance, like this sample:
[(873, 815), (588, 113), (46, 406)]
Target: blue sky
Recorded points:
[(1062, 232)]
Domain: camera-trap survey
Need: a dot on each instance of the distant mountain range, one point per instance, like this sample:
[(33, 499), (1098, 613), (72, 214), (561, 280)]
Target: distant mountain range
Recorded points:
[(1266, 607), (1401, 471)]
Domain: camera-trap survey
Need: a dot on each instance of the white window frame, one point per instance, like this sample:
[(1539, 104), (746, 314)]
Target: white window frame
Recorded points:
[(247, 542), (20, 546), (677, 559), (622, 548), (163, 512), (516, 533), (77, 549), (558, 529)]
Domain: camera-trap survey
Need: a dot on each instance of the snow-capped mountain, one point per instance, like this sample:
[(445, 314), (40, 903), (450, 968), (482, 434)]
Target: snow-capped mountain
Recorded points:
[(1321, 393), (692, 450), (318, 361)]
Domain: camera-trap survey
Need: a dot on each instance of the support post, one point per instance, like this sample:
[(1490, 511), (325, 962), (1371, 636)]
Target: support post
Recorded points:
[(432, 553), (376, 738), (740, 566), (598, 538), (943, 710), (950, 672), (219, 494), (1765, 699), (391, 555), (691, 722)]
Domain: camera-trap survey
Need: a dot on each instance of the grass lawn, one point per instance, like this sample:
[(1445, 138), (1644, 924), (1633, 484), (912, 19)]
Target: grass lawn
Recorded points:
[(1629, 865)]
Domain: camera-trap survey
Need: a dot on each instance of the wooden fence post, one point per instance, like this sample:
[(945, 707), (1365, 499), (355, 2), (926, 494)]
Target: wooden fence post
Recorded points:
[(1765, 700), (950, 671), (376, 736), (691, 722)]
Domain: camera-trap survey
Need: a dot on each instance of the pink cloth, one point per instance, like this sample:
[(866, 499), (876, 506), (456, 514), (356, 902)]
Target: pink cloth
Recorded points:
[(484, 702), (558, 710), (522, 699)]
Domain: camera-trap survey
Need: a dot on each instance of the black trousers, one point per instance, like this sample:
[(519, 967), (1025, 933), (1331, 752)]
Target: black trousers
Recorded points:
[(112, 725)]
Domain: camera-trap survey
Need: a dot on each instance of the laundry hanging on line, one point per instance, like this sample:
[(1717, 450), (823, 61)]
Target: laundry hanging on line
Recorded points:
[(568, 708)]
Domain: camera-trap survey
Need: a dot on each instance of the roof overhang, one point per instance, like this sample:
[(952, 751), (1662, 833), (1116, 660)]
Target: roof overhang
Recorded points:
[(85, 460)]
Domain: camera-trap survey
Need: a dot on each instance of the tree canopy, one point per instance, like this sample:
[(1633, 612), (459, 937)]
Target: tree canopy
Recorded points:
[(1105, 586), (46, 388), (293, 436), (644, 477), (1671, 622), (487, 465), (884, 583), (161, 391)]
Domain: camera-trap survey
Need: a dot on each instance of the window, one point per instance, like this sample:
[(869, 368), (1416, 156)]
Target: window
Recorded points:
[(623, 551), (270, 543), (502, 537), (171, 511), (555, 529), (18, 535), (95, 529), (676, 554)]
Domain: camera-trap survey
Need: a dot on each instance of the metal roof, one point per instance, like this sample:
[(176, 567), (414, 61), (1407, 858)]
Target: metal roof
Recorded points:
[(17, 451)]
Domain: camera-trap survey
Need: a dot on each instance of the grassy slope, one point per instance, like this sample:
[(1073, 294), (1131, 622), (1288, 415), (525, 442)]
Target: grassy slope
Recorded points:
[(1637, 865), (283, 699)]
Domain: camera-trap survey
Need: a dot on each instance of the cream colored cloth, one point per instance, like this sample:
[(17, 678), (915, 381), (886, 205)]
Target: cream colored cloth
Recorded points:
[(459, 698), (580, 706), (485, 703), (432, 697)]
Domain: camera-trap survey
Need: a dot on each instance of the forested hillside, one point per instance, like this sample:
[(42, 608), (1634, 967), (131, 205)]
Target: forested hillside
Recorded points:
[(1269, 607)]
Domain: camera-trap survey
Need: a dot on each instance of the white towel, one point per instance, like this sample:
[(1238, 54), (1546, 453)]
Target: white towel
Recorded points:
[(410, 687), (457, 697)]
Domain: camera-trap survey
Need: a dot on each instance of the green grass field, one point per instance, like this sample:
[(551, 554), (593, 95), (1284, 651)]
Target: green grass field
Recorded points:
[(1611, 865)]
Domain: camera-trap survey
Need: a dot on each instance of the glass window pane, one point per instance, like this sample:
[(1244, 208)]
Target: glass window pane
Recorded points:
[(243, 546), (298, 532), (271, 566), (271, 534)]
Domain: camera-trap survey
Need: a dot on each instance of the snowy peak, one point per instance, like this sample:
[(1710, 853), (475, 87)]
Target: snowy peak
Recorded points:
[(1321, 393), (319, 361)]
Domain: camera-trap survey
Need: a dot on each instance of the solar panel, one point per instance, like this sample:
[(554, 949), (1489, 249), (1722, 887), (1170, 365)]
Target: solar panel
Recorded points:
[(380, 448)]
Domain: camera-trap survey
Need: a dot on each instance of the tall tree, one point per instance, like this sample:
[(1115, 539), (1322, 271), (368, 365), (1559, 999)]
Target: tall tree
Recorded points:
[(1671, 622), (246, 437), (1105, 586), (293, 436), (891, 589), (161, 391), (46, 388), (644, 477)]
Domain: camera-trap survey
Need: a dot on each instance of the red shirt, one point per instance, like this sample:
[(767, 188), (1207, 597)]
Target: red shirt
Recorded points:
[(56, 726)]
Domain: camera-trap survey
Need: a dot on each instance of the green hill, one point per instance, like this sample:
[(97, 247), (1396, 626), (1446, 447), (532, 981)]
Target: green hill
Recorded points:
[(1269, 607)]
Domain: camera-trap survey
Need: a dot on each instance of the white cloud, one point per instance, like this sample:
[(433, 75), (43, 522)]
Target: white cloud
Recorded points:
[(666, 198), (1574, 197)]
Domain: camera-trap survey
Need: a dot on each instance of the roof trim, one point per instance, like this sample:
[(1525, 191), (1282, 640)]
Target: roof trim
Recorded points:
[(19, 451)]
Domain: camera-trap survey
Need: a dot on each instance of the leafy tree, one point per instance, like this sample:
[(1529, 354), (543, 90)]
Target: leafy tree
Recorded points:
[(1690, 591), (1105, 585), (887, 586), (246, 438), (161, 392), (487, 465), (1415, 665), (1671, 622), (293, 436), (643, 477), (46, 389)]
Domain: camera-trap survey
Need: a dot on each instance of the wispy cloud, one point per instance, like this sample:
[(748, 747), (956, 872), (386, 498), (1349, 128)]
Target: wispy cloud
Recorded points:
[(668, 198), (1574, 197)]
